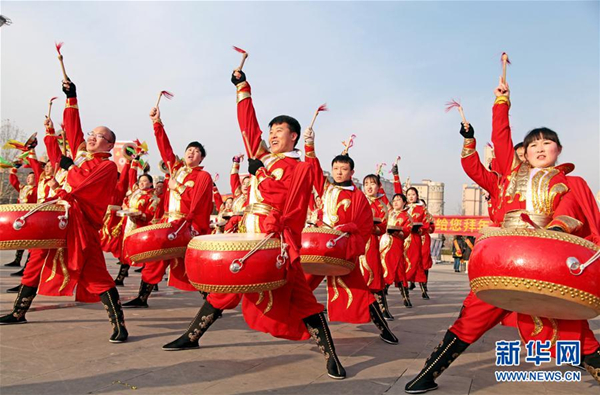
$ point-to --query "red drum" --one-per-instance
(324, 252)
(215, 263)
(537, 272)
(157, 242)
(25, 226)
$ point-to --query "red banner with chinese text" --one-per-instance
(460, 224)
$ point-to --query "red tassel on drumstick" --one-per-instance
(505, 62)
(166, 94)
(322, 107)
(60, 58)
(454, 104)
(50, 106)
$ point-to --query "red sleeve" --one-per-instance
(52, 147)
(362, 215)
(248, 122)
(72, 127)
(476, 171)
(502, 138)
(122, 185)
(36, 166)
(14, 180)
(132, 174)
(317, 171)
(164, 146)
(234, 179)
(217, 198)
(384, 197)
(397, 184)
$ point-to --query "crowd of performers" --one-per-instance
(283, 194)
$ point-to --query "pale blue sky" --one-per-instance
(385, 69)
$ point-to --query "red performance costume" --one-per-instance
(190, 200)
(277, 204)
(90, 182)
(346, 209)
(544, 194)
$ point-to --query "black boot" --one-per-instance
(14, 290)
(22, 304)
(383, 306)
(377, 318)
(139, 270)
(405, 297)
(17, 261)
(112, 304)
(20, 272)
(203, 320)
(591, 363)
(424, 290)
(411, 285)
(123, 272)
(142, 299)
(441, 358)
(319, 331)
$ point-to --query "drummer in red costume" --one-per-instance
(240, 187)
(90, 182)
(188, 180)
(391, 246)
(32, 271)
(291, 311)
(138, 210)
(345, 208)
(112, 227)
(413, 246)
(426, 230)
(556, 208)
(371, 267)
(27, 194)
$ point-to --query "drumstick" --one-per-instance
(454, 104)
(505, 62)
(322, 107)
(166, 94)
(50, 105)
(244, 57)
(60, 58)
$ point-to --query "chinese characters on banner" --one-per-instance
(460, 224)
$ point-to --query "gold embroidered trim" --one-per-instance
(327, 260)
(539, 233)
(30, 206)
(569, 224)
(364, 266)
(502, 100)
(248, 288)
(27, 244)
(180, 251)
(243, 95)
(259, 208)
(541, 287)
(163, 225)
(348, 291)
(322, 230)
(233, 245)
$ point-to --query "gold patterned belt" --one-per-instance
(512, 219)
(259, 208)
(173, 215)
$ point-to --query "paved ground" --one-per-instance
(65, 350)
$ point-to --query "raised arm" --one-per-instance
(251, 133)
(51, 141)
(397, 183)
(71, 119)
(311, 158)
(164, 145)
(501, 133)
(234, 177)
(471, 163)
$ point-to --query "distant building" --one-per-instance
(473, 200)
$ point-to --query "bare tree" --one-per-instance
(8, 131)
